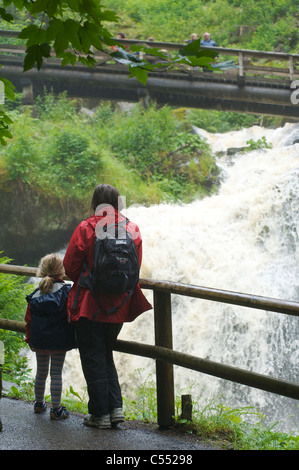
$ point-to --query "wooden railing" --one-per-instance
(163, 351)
(285, 65)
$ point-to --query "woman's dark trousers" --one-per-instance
(95, 343)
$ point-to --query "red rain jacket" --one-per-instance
(82, 242)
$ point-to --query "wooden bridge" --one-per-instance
(249, 88)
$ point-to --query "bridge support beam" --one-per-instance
(27, 91)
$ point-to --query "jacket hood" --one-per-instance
(49, 304)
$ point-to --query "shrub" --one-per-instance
(73, 164)
(13, 291)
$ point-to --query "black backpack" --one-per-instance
(115, 264)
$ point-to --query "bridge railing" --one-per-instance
(163, 351)
(285, 65)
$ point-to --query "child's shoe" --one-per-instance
(59, 413)
(40, 407)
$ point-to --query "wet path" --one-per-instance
(24, 430)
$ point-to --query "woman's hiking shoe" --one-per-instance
(40, 407)
(100, 423)
(59, 413)
(117, 416)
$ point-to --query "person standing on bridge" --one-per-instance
(99, 318)
(48, 333)
(207, 41)
(192, 38)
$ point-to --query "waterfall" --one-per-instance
(244, 239)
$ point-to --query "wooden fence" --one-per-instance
(163, 351)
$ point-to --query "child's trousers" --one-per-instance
(56, 362)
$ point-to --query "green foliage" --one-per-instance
(149, 154)
(271, 24)
(13, 291)
(238, 428)
(221, 121)
(143, 406)
(73, 164)
(50, 107)
(5, 132)
(260, 144)
(139, 145)
(163, 150)
(75, 31)
(72, 28)
(63, 153)
(74, 401)
(21, 158)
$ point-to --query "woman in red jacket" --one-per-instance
(97, 331)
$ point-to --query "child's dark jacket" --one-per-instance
(47, 327)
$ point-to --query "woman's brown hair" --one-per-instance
(106, 194)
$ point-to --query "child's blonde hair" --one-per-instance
(50, 268)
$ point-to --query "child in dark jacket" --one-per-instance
(48, 332)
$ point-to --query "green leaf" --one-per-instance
(89, 61)
(92, 8)
(73, 4)
(5, 118)
(6, 16)
(75, 393)
(52, 7)
(68, 58)
(35, 54)
(194, 49)
(29, 31)
(55, 27)
(61, 43)
(37, 6)
(71, 29)
(61, 34)
(18, 3)
(89, 35)
(139, 73)
(34, 35)
(109, 15)
(8, 89)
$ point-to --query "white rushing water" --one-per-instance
(243, 239)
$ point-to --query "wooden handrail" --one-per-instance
(207, 293)
(176, 46)
(241, 54)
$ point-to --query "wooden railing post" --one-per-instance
(291, 64)
(164, 370)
